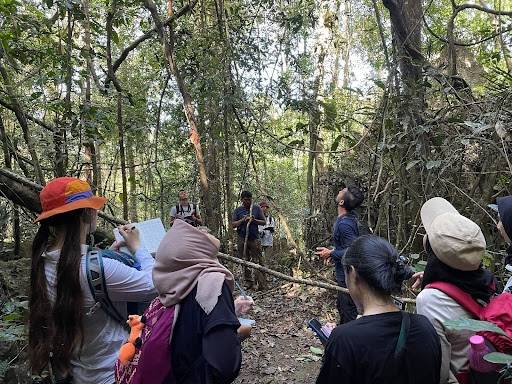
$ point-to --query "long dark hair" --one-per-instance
(377, 262)
(57, 327)
(480, 284)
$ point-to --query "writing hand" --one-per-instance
(131, 237)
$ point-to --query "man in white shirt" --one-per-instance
(267, 231)
(184, 210)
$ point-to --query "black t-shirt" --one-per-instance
(205, 348)
(362, 352)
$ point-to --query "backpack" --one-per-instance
(179, 211)
(98, 286)
(498, 311)
(191, 208)
(151, 362)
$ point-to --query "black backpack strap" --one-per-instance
(401, 366)
(404, 332)
(98, 285)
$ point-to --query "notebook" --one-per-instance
(151, 234)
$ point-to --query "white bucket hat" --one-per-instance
(456, 241)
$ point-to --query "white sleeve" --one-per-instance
(429, 303)
(128, 284)
(173, 211)
(198, 213)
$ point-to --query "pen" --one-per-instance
(241, 290)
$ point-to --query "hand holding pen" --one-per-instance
(131, 238)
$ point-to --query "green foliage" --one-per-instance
(474, 325)
(12, 328)
(12, 316)
(498, 358)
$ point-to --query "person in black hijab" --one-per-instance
(505, 223)
(504, 208)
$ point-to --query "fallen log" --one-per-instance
(297, 280)
(26, 193)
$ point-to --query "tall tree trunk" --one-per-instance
(227, 92)
(22, 119)
(314, 132)
(337, 42)
(5, 144)
(212, 216)
(157, 133)
(16, 211)
(120, 127)
(168, 48)
(347, 9)
(450, 35)
(500, 42)
(132, 179)
(228, 200)
(62, 163)
(90, 142)
(84, 120)
(97, 165)
(406, 20)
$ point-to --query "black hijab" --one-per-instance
(505, 211)
(480, 284)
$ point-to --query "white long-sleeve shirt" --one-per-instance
(438, 307)
(102, 335)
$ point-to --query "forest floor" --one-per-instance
(281, 348)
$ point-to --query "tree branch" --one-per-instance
(22, 119)
(24, 192)
(147, 35)
(110, 72)
(41, 123)
(461, 44)
(167, 40)
(297, 280)
(483, 9)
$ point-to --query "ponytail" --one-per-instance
(377, 262)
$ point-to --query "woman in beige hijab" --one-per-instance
(205, 344)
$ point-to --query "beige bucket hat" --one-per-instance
(456, 240)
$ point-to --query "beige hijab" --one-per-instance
(188, 256)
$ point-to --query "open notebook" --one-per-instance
(151, 234)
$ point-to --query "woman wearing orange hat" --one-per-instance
(68, 334)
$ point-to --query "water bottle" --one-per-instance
(478, 349)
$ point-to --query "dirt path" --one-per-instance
(282, 348)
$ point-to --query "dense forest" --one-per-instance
(288, 99)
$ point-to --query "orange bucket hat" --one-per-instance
(65, 194)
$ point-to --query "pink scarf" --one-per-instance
(188, 256)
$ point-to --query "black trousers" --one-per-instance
(346, 307)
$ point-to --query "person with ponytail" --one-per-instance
(384, 345)
(69, 335)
